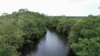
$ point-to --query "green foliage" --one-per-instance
(85, 28)
(85, 37)
(24, 27)
(87, 47)
(7, 50)
(61, 24)
(64, 25)
(51, 22)
(11, 35)
(18, 29)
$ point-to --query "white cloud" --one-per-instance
(53, 7)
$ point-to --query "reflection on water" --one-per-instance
(51, 45)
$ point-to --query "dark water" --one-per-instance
(52, 44)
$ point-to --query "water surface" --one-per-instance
(52, 44)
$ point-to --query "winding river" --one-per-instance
(52, 44)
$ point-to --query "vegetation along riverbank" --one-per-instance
(27, 27)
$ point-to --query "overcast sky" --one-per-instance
(53, 7)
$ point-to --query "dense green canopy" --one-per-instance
(85, 37)
(19, 28)
(26, 27)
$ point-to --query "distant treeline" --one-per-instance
(25, 27)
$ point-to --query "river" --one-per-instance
(52, 44)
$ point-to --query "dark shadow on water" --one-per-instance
(52, 44)
(71, 53)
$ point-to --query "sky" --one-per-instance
(53, 7)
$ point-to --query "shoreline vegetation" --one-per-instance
(26, 27)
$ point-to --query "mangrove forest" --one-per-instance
(26, 29)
